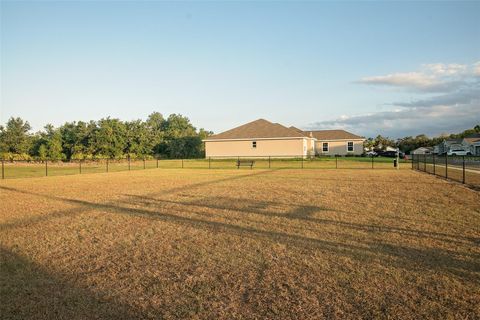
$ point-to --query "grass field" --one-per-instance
(246, 244)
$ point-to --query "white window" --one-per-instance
(350, 146)
(254, 144)
(325, 147)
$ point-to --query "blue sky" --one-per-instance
(373, 68)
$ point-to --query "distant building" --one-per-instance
(262, 138)
(470, 144)
(447, 145)
(423, 150)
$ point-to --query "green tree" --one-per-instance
(54, 143)
(110, 138)
(138, 138)
(15, 137)
(155, 125)
(76, 139)
(180, 137)
(42, 152)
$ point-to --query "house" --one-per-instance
(447, 145)
(337, 142)
(422, 150)
(472, 143)
(262, 138)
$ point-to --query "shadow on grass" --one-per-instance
(364, 251)
(298, 212)
(29, 291)
(91, 206)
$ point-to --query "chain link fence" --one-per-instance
(464, 169)
(25, 168)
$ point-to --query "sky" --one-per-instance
(391, 68)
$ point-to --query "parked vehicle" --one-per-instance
(459, 152)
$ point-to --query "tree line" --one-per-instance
(172, 137)
(410, 143)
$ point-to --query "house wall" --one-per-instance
(310, 146)
(339, 147)
(476, 149)
(265, 148)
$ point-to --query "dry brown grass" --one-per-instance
(287, 244)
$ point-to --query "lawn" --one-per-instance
(245, 244)
(37, 169)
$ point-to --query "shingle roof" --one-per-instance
(453, 141)
(260, 128)
(473, 138)
(296, 129)
(333, 135)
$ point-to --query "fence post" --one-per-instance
(46, 168)
(3, 169)
(107, 165)
(182, 163)
(143, 163)
(269, 162)
(302, 161)
(128, 163)
(424, 162)
(433, 161)
(209, 164)
(157, 163)
(372, 161)
(463, 166)
(446, 165)
(336, 162)
(80, 166)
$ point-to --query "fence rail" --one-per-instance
(38, 168)
(464, 169)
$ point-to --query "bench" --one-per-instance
(246, 163)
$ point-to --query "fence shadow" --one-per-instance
(362, 250)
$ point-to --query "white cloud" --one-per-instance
(410, 79)
(434, 77)
(455, 108)
(476, 69)
(442, 69)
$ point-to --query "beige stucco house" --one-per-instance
(262, 138)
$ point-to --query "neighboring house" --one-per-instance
(447, 145)
(262, 138)
(337, 142)
(423, 150)
(470, 144)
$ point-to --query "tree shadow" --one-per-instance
(29, 291)
(298, 212)
(365, 251)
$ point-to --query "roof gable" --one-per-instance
(333, 135)
(260, 128)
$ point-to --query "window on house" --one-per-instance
(325, 147)
(254, 144)
(350, 146)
